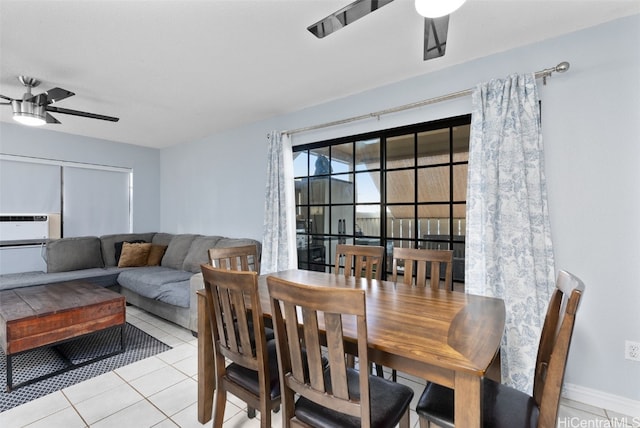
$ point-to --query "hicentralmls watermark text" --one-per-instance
(576, 422)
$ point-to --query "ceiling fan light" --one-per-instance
(437, 8)
(28, 113)
(29, 120)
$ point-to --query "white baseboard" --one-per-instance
(601, 399)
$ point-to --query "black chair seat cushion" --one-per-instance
(248, 378)
(389, 400)
(502, 406)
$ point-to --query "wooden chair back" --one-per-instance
(554, 346)
(415, 265)
(238, 338)
(300, 312)
(243, 258)
(364, 261)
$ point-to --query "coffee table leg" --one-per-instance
(122, 339)
(9, 374)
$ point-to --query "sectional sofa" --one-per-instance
(165, 286)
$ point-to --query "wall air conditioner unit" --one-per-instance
(28, 228)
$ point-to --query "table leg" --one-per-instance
(468, 410)
(9, 374)
(206, 370)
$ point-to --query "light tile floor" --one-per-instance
(161, 391)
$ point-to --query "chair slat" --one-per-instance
(312, 344)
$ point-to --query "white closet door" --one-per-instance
(29, 188)
(96, 202)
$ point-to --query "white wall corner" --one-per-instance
(601, 399)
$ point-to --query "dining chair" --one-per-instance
(363, 261)
(252, 374)
(336, 395)
(422, 258)
(503, 406)
(244, 258)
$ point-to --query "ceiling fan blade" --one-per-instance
(51, 119)
(435, 36)
(81, 113)
(6, 97)
(345, 16)
(57, 94)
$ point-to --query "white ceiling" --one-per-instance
(177, 71)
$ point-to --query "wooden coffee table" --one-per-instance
(45, 315)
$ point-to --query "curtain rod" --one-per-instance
(560, 68)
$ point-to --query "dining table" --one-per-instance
(448, 337)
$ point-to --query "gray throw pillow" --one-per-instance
(67, 254)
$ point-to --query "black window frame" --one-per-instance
(312, 257)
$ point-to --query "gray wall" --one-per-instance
(40, 143)
(591, 128)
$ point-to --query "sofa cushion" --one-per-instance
(199, 252)
(177, 251)
(69, 254)
(155, 254)
(134, 254)
(159, 283)
(162, 238)
(108, 244)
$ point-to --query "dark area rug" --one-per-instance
(29, 365)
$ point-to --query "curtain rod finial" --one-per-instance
(562, 67)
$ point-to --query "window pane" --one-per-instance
(433, 184)
(401, 223)
(433, 147)
(302, 191)
(461, 143)
(367, 187)
(316, 219)
(368, 154)
(400, 151)
(400, 186)
(367, 220)
(434, 221)
(319, 190)
(300, 164)
(319, 161)
(342, 189)
(342, 158)
(342, 220)
(460, 182)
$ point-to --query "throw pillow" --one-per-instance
(134, 255)
(155, 254)
(118, 248)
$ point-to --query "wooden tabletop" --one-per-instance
(445, 329)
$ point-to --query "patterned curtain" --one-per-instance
(279, 240)
(508, 243)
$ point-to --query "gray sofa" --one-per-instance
(167, 290)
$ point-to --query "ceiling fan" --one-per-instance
(436, 22)
(34, 110)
